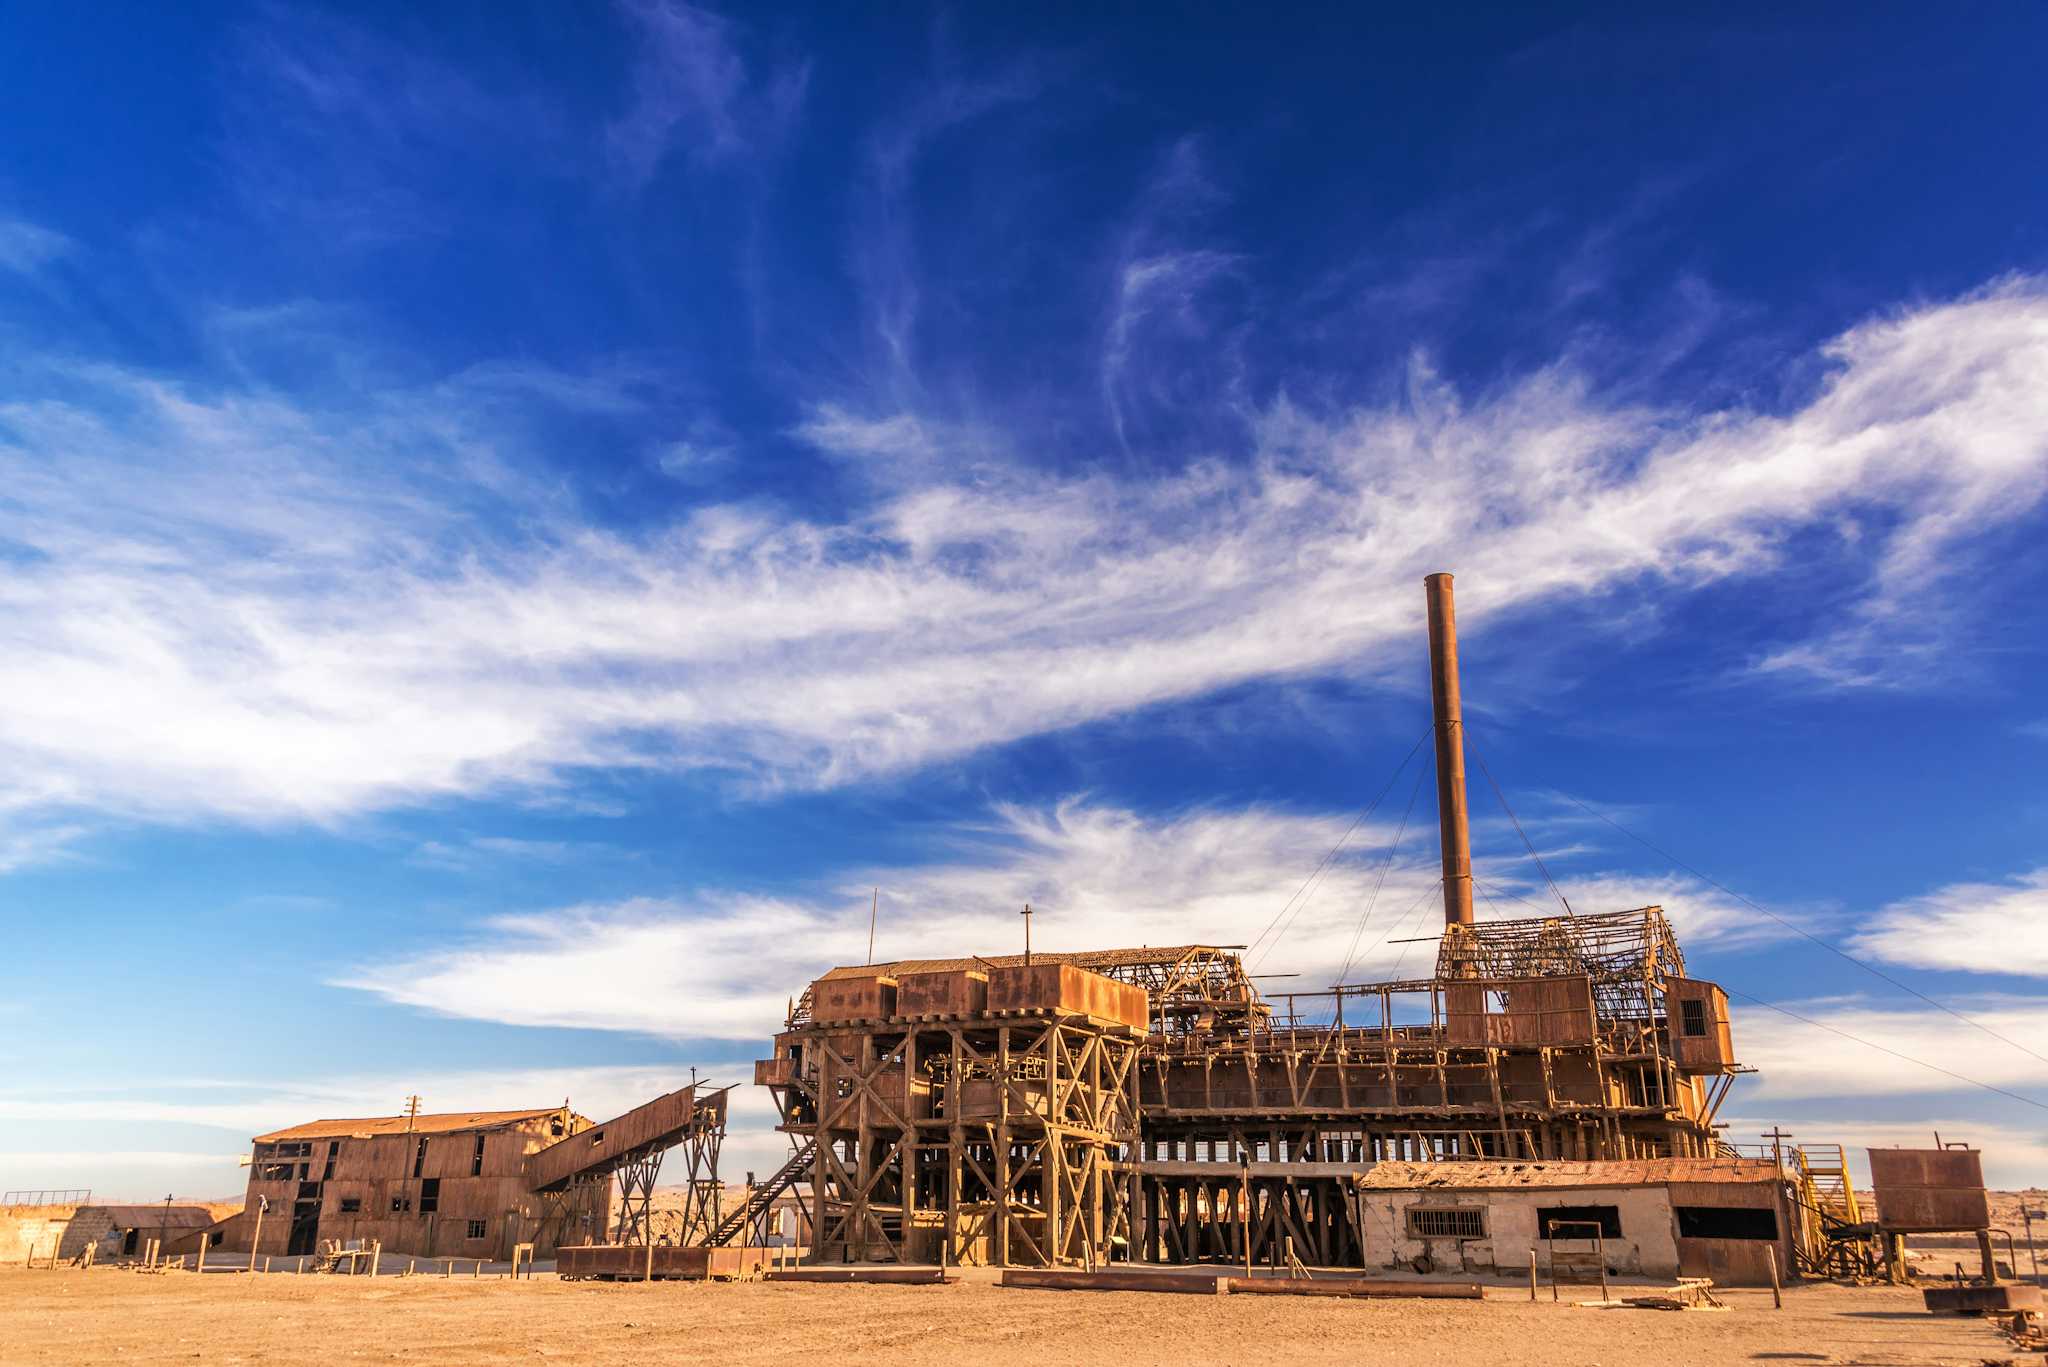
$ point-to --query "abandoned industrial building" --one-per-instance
(1149, 1104)
(1547, 1096)
(468, 1185)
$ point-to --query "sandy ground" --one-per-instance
(103, 1315)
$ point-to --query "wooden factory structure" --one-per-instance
(471, 1185)
(1150, 1104)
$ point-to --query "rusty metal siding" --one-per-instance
(643, 1124)
(1930, 1191)
(960, 992)
(852, 999)
(1062, 987)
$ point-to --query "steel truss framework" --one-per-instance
(966, 1139)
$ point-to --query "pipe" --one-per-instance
(1454, 833)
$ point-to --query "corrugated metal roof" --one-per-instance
(153, 1217)
(1087, 958)
(1616, 1173)
(445, 1123)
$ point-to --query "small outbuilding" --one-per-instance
(1657, 1217)
(125, 1231)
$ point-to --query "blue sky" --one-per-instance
(513, 520)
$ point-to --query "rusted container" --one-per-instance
(774, 1072)
(1696, 1014)
(959, 993)
(1063, 987)
(853, 999)
(662, 1262)
(1929, 1191)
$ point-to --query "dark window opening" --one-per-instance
(1577, 1221)
(304, 1168)
(400, 1204)
(1693, 1016)
(351, 1205)
(596, 1138)
(419, 1156)
(476, 1229)
(309, 1191)
(476, 1159)
(1726, 1222)
(1446, 1222)
(274, 1172)
(430, 1195)
(327, 1173)
(555, 1128)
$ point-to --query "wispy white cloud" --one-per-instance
(693, 93)
(222, 603)
(1833, 1056)
(26, 248)
(1975, 927)
(722, 966)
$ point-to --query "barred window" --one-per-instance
(1693, 1016)
(1446, 1222)
(476, 1229)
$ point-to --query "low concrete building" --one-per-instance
(125, 1231)
(1661, 1217)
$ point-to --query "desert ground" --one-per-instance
(106, 1315)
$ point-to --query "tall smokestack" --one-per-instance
(1454, 835)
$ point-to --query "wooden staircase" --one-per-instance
(763, 1196)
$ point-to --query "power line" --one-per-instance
(1334, 849)
(1873, 1044)
(1503, 799)
(1802, 931)
(1351, 955)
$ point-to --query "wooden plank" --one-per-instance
(1177, 1283)
(1354, 1286)
(895, 1276)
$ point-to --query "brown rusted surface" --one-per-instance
(1456, 837)
(370, 1126)
(1928, 1191)
(852, 999)
(665, 1262)
(1353, 1286)
(669, 1114)
(1978, 1300)
(1539, 1011)
(1063, 987)
(1711, 1051)
(1176, 1283)
(955, 992)
(892, 1276)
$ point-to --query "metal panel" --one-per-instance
(852, 999)
(1062, 987)
(1929, 1190)
(961, 992)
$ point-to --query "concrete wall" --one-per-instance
(31, 1231)
(1648, 1245)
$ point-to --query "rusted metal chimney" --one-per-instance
(1454, 834)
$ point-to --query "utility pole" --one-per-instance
(412, 1110)
(165, 1233)
(1778, 1138)
(1027, 935)
(874, 904)
(256, 1244)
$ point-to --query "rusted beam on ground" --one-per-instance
(894, 1276)
(1354, 1286)
(1183, 1283)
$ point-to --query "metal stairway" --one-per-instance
(763, 1196)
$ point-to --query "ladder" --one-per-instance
(763, 1196)
(1824, 1181)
